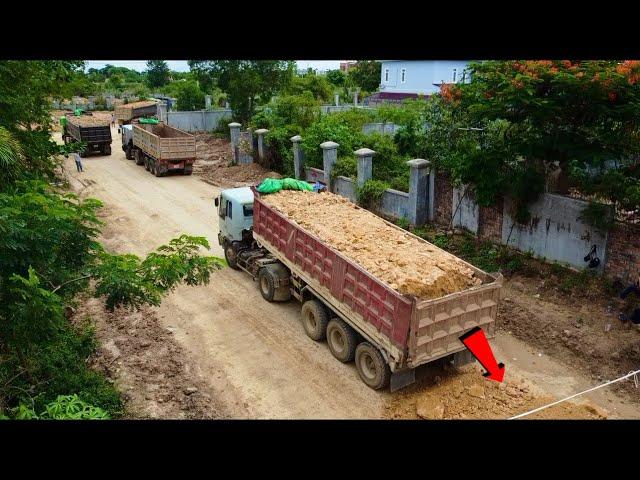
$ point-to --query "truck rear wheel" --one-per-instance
(188, 170)
(231, 257)
(146, 164)
(266, 283)
(156, 170)
(107, 150)
(371, 366)
(138, 156)
(342, 340)
(314, 320)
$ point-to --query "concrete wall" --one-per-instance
(468, 213)
(199, 120)
(314, 175)
(390, 128)
(346, 187)
(555, 232)
(394, 204)
(420, 75)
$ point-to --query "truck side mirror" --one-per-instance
(216, 202)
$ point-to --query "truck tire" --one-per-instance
(371, 366)
(314, 320)
(266, 284)
(230, 256)
(188, 170)
(342, 340)
(147, 167)
(107, 150)
(127, 153)
(156, 170)
(139, 157)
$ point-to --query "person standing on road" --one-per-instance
(76, 157)
(113, 120)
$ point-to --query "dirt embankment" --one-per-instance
(468, 395)
(580, 331)
(406, 264)
(213, 164)
(148, 366)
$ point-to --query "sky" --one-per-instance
(181, 65)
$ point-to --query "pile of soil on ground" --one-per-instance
(468, 395)
(406, 264)
(213, 159)
(147, 365)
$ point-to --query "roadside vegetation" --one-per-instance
(50, 253)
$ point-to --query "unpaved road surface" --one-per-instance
(223, 345)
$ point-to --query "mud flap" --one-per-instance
(464, 357)
(402, 378)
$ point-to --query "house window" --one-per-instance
(386, 74)
(455, 72)
(403, 74)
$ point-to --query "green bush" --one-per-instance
(335, 128)
(64, 407)
(345, 167)
(370, 194)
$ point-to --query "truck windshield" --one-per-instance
(247, 210)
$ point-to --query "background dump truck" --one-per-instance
(126, 113)
(162, 149)
(95, 133)
(362, 318)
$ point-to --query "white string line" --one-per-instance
(630, 374)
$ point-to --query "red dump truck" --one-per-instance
(361, 317)
(162, 149)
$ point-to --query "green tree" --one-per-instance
(246, 82)
(189, 96)
(502, 131)
(26, 87)
(316, 85)
(366, 75)
(157, 73)
(336, 77)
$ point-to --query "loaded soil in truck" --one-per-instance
(407, 265)
(125, 113)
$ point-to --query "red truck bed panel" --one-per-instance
(379, 305)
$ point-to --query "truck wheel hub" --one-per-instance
(368, 366)
(337, 340)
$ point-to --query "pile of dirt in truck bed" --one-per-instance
(406, 264)
(468, 395)
(88, 121)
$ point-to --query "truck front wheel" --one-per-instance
(231, 257)
(371, 366)
(266, 282)
(127, 153)
(314, 320)
(342, 340)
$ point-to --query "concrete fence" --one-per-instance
(198, 120)
(415, 206)
(554, 233)
(380, 127)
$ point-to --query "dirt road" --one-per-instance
(252, 357)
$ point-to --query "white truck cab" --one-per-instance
(235, 209)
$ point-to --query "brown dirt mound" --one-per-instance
(406, 264)
(468, 395)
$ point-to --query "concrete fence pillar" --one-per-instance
(365, 165)
(207, 102)
(329, 157)
(355, 99)
(260, 133)
(418, 210)
(337, 99)
(235, 137)
(298, 157)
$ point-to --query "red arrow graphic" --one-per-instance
(477, 343)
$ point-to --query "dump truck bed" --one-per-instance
(125, 113)
(88, 129)
(410, 331)
(163, 142)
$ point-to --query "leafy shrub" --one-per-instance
(370, 193)
(403, 223)
(333, 128)
(345, 167)
(65, 407)
(598, 216)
